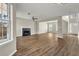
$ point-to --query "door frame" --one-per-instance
(55, 21)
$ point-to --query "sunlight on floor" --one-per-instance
(50, 34)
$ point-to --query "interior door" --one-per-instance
(52, 27)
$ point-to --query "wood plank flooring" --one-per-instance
(47, 44)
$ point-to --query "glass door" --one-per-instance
(52, 27)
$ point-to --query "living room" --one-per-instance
(39, 29)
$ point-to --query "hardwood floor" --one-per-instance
(47, 45)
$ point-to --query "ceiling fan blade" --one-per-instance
(34, 19)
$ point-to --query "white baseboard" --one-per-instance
(13, 53)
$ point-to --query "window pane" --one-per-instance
(0, 5)
(4, 6)
(5, 25)
(0, 30)
(4, 11)
(4, 15)
(0, 10)
(4, 21)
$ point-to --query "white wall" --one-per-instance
(42, 27)
(9, 48)
(74, 23)
(24, 23)
(74, 28)
(64, 27)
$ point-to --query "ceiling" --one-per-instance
(45, 11)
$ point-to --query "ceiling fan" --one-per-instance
(34, 18)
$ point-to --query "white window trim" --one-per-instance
(10, 38)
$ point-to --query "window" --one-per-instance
(4, 22)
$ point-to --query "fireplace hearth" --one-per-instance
(26, 31)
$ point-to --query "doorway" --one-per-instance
(52, 27)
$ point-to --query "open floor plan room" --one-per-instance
(39, 29)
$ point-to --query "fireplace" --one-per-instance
(26, 31)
